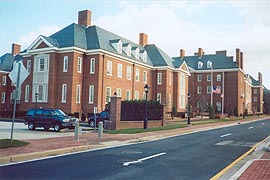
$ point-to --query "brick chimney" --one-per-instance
(143, 39)
(238, 57)
(84, 18)
(200, 52)
(16, 48)
(260, 78)
(182, 53)
(242, 60)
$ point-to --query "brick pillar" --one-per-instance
(115, 112)
(164, 115)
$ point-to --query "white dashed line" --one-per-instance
(250, 127)
(143, 159)
(225, 135)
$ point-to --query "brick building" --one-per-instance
(6, 86)
(230, 90)
(81, 66)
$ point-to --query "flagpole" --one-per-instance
(222, 95)
(211, 84)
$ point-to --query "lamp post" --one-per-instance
(188, 110)
(36, 95)
(146, 89)
(243, 96)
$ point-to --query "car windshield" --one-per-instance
(58, 112)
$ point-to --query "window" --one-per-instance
(64, 93)
(91, 94)
(92, 65)
(28, 66)
(109, 68)
(79, 65)
(218, 77)
(128, 72)
(199, 90)
(159, 97)
(159, 78)
(218, 104)
(129, 50)
(119, 92)
(255, 91)
(128, 95)
(42, 91)
(119, 70)
(182, 90)
(209, 89)
(255, 99)
(137, 75)
(200, 65)
(4, 80)
(144, 76)
(209, 64)
(78, 94)
(108, 94)
(3, 98)
(208, 77)
(65, 64)
(136, 95)
(120, 46)
(199, 78)
(41, 64)
(27, 92)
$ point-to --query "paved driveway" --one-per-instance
(21, 132)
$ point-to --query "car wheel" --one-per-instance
(57, 127)
(31, 126)
(91, 123)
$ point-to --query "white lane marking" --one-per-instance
(225, 135)
(143, 159)
(262, 123)
(250, 127)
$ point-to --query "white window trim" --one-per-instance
(199, 78)
(199, 89)
(137, 75)
(78, 94)
(119, 92)
(209, 77)
(65, 64)
(79, 65)
(3, 97)
(159, 78)
(108, 94)
(4, 80)
(129, 72)
(64, 93)
(28, 66)
(128, 95)
(209, 89)
(137, 95)
(218, 77)
(119, 70)
(91, 94)
(109, 68)
(92, 65)
(159, 97)
(144, 76)
(27, 93)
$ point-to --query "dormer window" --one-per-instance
(117, 45)
(209, 64)
(200, 65)
(127, 48)
(143, 55)
(135, 52)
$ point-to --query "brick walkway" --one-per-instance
(258, 170)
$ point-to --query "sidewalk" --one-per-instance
(38, 148)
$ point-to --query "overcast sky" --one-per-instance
(171, 25)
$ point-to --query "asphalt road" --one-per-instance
(194, 156)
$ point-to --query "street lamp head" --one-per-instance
(188, 95)
(146, 88)
(115, 94)
(36, 95)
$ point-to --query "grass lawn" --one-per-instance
(175, 125)
(5, 143)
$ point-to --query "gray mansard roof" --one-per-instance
(6, 61)
(219, 61)
(94, 37)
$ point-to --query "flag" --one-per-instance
(216, 90)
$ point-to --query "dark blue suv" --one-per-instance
(48, 118)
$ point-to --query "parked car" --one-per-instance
(48, 118)
(100, 117)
